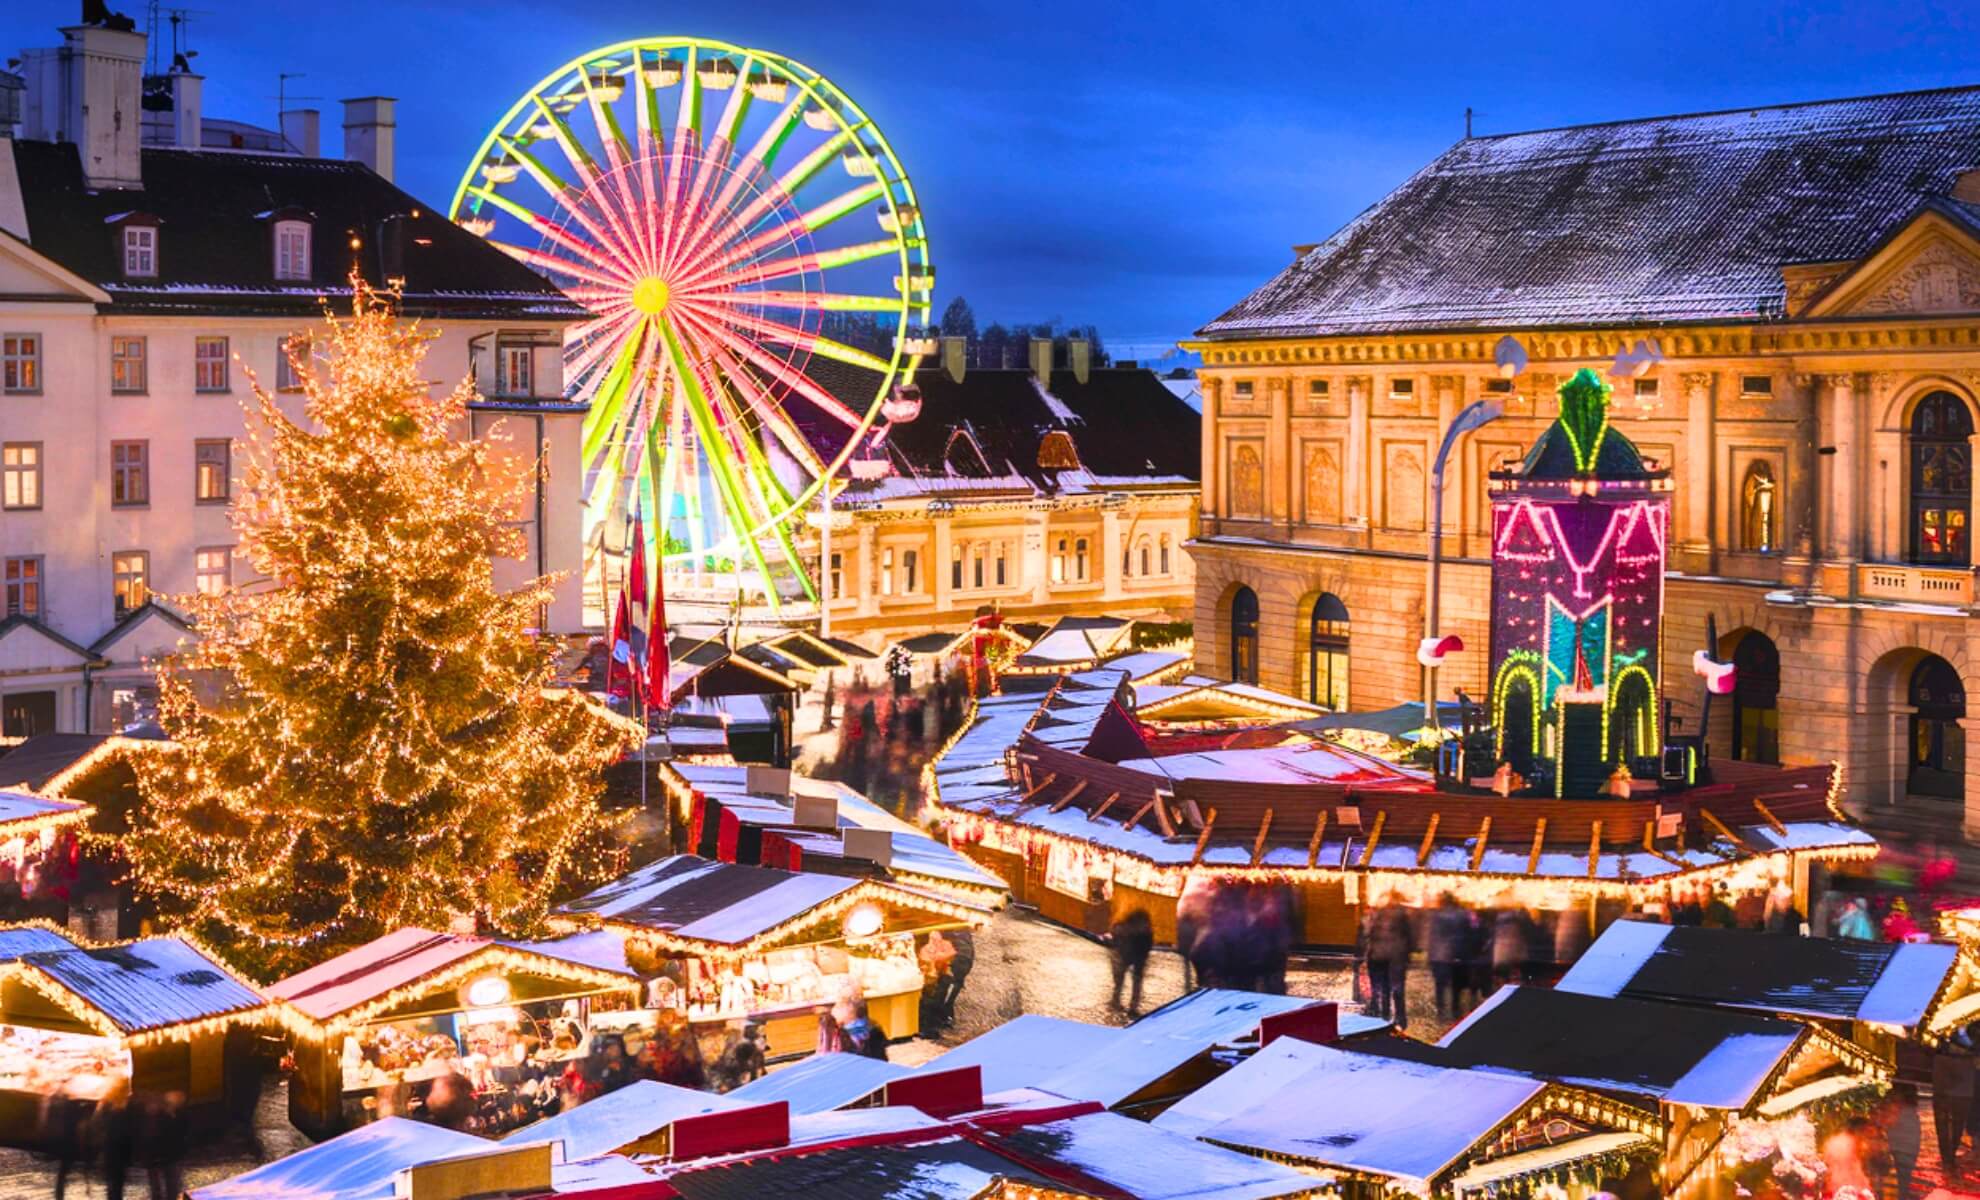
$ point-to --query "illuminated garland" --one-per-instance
(791, 931)
(57, 785)
(85, 1013)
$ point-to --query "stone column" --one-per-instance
(1212, 506)
(1112, 547)
(1883, 511)
(1357, 497)
(869, 571)
(1841, 524)
(938, 571)
(1286, 462)
(1038, 553)
(1804, 475)
(1696, 471)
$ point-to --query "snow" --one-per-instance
(1164, 1040)
(1024, 1050)
(1615, 958)
(357, 976)
(857, 1122)
(1152, 1164)
(359, 1165)
(1142, 663)
(1312, 762)
(821, 1083)
(1734, 1070)
(1060, 413)
(593, 1174)
(30, 939)
(603, 1125)
(1903, 994)
(1263, 1074)
(149, 984)
(604, 949)
(20, 806)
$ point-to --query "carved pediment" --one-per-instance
(1931, 267)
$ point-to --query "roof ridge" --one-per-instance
(1701, 114)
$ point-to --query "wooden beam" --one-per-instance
(1138, 813)
(1429, 839)
(1539, 833)
(1484, 835)
(1767, 815)
(1162, 816)
(1594, 848)
(1072, 793)
(1374, 836)
(1025, 768)
(1725, 831)
(1106, 804)
(1313, 844)
(1203, 839)
(1044, 783)
(1650, 844)
(1258, 843)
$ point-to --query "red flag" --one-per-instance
(619, 671)
(659, 663)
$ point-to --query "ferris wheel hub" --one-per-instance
(650, 295)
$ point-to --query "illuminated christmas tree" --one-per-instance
(366, 736)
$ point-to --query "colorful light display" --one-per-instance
(1578, 551)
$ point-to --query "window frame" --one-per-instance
(123, 472)
(910, 572)
(1319, 389)
(1746, 387)
(287, 377)
(886, 570)
(225, 569)
(223, 365)
(301, 270)
(10, 471)
(836, 568)
(119, 577)
(13, 380)
(505, 355)
(121, 359)
(226, 448)
(9, 582)
(148, 236)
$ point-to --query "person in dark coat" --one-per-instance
(1389, 944)
(116, 1136)
(1129, 942)
(1447, 947)
(1899, 1118)
(163, 1143)
(1512, 944)
(1952, 1096)
(949, 987)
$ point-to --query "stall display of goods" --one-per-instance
(44, 1062)
(801, 977)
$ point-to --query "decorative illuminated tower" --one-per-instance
(1578, 536)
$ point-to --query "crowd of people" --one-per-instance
(887, 731)
(115, 1136)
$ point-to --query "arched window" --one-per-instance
(1244, 636)
(1145, 551)
(1165, 554)
(1327, 653)
(1938, 744)
(1756, 709)
(1632, 728)
(1757, 506)
(1941, 480)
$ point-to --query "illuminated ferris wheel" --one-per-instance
(754, 264)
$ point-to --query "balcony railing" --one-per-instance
(1952, 586)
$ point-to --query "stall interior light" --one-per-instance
(864, 921)
(489, 991)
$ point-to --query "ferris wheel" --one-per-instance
(755, 268)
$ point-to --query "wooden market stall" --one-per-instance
(376, 1029)
(155, 1016)
(729, 943)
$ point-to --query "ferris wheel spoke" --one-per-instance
(573, 201)
(551, 264)
(747, 171)
(765, 270)
(587, 251)
(787, 185)
(810, 221)
(820, 301)
(779, 371)
(723, 470)
(770, 413)
(802, 339)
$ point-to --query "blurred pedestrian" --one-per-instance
(1446, 948)
(1271, 936)
(1129, 943)
(1389, 946)
(1192, 910)
(1512, 940)
(1688, 908)
(1856, 923)
(64, 1117)
(1478, 960)
(964, 941)
(164, 1144)
(1719, 910)
(1571, 935)
(1899, 1117)
(1952, 1097)
(1781, 915)
(116, 1136)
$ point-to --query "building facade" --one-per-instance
(1811, 276)
(144, 288)
(1039, 491)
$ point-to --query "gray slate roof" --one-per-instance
(1671, 219)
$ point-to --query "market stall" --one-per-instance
(466, 1031)
(727, 945)
(151, 1016)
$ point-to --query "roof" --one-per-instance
(366, 975)
(707, 901)
(19, 807)
(1165, 1039)
(949, 1169)
(214, 211)
(145, 985)
(1025, 1049)
(1710, 1058)
(822, 1082)
(1139, 1160)
(1385, 1116)
(358, 1165)
(17, 940)
(604, 1123)
(1668, 219)
(44, 756)
(1892, 984)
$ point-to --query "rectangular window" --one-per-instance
(1059, 562)
(1079, 560)
(838, 576)
(213, 569)
(20, 363)
(955, 568)
(140, 252)
(213, 470)
(517, 376)
(287, 352)
(127, 365)
(1000, 564)
(130, 473)
(1756, 385)
(1498, 387)
(210, 364)
(291, 250)
(1646, 389)
(130, 579)
(22, 580)
(20, 475)
(886, 572)
(1165, 554)
(910, 572)
(1242, 390)
(976, 566)
(1318, 388)
(1402, 388)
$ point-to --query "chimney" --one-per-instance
(955, 357)
(188, 118)
(370, 132)
(91, 92)
(13, 96)
(302, 129)
(1080, 351)
(1041, 360)
(1966, 186)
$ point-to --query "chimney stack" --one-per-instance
(89, 91)
(1041, 360)
(188, 115)
(955, 357)
(370, 132)
(1080, 352)
(302, 129)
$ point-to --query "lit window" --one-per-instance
(518, 375)
(213, 571)
(127, 364)
(130, 579)
(1059, 561)
(20, 475)
(886, 572)
(130, 473)
(20, 363)
(210, 364)
(140, 251)
(288, 352)
(22, 580)
(212, 470)
(292, 250)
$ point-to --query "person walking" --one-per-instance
(1952, 1097)
(1389, 946)
(1129, 943)
(1856, 924)
(116, 1136)
(1511, 944)
(164, 1145)
(964, 941)
(1901, 1134)
(1450, 930)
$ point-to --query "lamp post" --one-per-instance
(1474, 415)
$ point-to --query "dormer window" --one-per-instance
(140, 251)
(292, 250)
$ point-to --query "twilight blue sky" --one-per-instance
(1135, 166)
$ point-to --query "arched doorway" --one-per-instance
(1632, 726)
(1756, 714)
(1938, 744)
(1941, 480)
(1518, 718)
(1327, 653)
(1244, 636)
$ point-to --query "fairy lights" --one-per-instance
(826, 918)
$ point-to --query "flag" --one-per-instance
(619, 671)
(640, 610)
(659, 664)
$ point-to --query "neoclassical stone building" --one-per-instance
(1811, 274)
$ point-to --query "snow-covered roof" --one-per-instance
(717, 902)
(358, 1165)
(1166, 1039)
(20, 806)
(605, 1123)
(1140, 1160)
(822, 1082)
(1026, 1049)
(17, 940)
(136, 987)
(404, 957)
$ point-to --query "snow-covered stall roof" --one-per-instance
(1025, 1049)
(358, 1165)
(368, 975)
(1139, 1160)
(606, 1123)
(947, 1169)
(1410, 1121)
(1165, 1039)
(21, 812)
(1892, 984)
(142, 986)
(708, 901)
(1145, 666)
(822, 1082)
(16, 940)
(840, 1124)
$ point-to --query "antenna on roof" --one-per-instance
(282, 99)
(1467, 122)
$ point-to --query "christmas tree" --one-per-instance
(367, 739)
